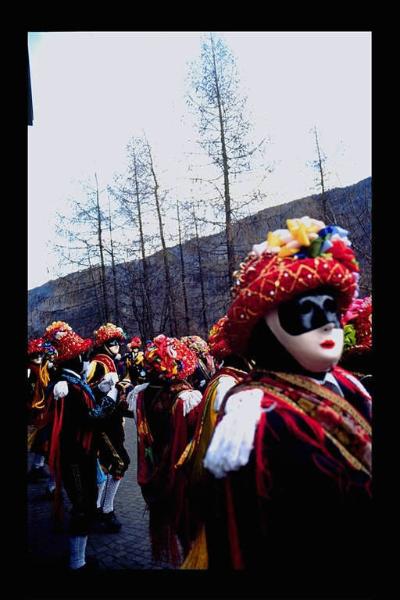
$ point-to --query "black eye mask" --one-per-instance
(110, 343)
(309, 311)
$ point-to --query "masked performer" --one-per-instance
(113, 456)
(291, 452)
(73, 448)
(166, 415)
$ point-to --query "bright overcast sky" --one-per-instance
(93, 91)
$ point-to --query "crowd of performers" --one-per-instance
(253, 446)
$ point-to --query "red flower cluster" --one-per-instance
(360, 316)
(135, 342)
(107, 332)
(217, 341)
(54, 328)
(344, 254)
(170, 358)
(197, 344)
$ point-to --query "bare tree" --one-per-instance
(168, 279)
(201, 271)
(85, 247)
(132, 190)
(101, 249)
(183, 274)
(319, 164)
(223, 127)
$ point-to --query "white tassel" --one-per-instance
(225, 383)
(233, 438)
(60, 390)
(132, 397)
(191, 398)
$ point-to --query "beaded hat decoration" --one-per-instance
(217, 341)
(69, 346)
(197, 344)
(35, 346)
(135, 342)
(106, 332)
(358, 326)
(306, 255)
(170, 358)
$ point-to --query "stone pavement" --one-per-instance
(127, 549)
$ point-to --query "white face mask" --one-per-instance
(316, 351)
(114, 351)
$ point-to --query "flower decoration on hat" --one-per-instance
(358, 326)
(106, 332)
(170, 358)
(56, 330)
(217, 340)
(305, 256)
(135, 342)
(197, 344)
(35, 346)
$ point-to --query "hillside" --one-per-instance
(75, 297)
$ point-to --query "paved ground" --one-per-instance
(128, 549)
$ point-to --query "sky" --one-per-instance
(93, 91)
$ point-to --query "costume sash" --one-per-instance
(343, 424)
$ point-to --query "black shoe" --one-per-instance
(36, 475)
(110, 522)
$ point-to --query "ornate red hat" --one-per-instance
(106, 332)
(358, 326)
(135, 342)
(35, 346)
(69, 345)
(217, 341)
(170, 358)
(55, 327)
(197, 344)
(305, 256)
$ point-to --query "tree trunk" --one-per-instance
(168, 281)
(321, 175)
(103, 269)
(185, 302)
(114, 274)
(99, 308)
(225, 168)
(203, 297)
(148, 311)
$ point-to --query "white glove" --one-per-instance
(60, 390)
(132, 397)
(107, 382)
(113, 393)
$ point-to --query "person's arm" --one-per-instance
(105, 406)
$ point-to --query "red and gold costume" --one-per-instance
(166, 416)
(113, 456)
(290, 457)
